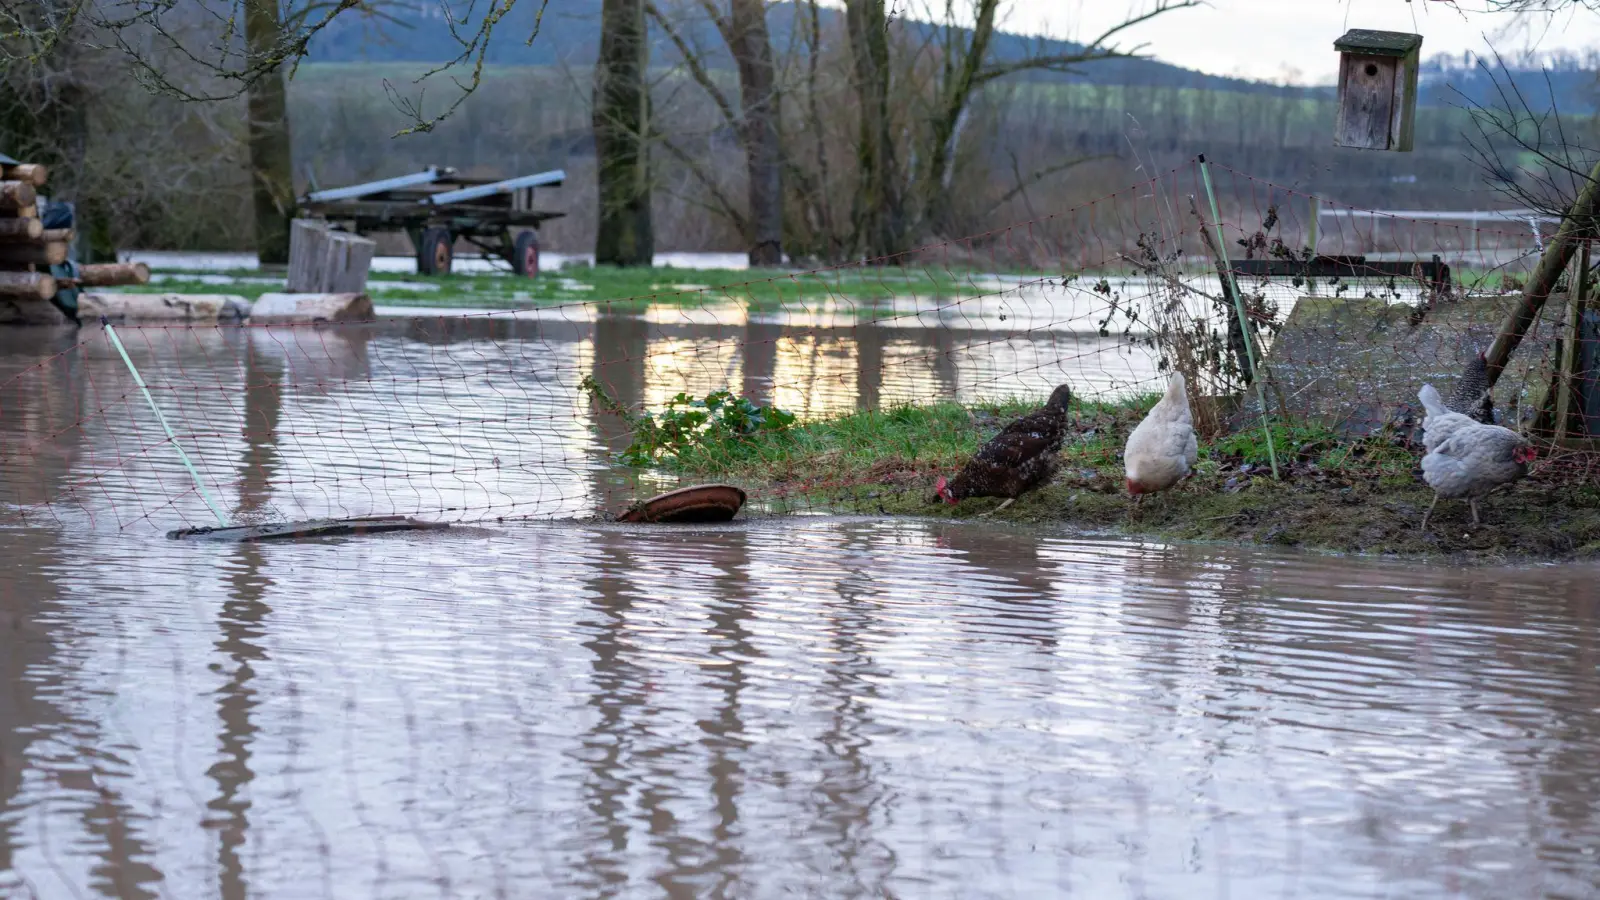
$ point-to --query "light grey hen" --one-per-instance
(1466, 458)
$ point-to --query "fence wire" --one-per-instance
(484, 416)
(826, 707)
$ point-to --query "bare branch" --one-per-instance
(1095, 50)
(1513, 127)
(1023, 183)
(695, 66)
(693, 164)
(157, 38)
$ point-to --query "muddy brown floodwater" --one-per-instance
(803, 707)
(797, 706)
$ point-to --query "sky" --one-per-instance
(1293, 39)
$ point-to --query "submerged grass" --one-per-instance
(621, 287)
(1363, 496)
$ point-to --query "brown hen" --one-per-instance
(1018, 459)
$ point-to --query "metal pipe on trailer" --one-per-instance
(462, 195)
(427, 176)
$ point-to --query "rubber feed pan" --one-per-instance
(700, 503)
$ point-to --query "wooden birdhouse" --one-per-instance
(1377, 89)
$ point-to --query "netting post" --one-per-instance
(1311, 240)
(1232, 287)
(1577, 292)
(171, 438)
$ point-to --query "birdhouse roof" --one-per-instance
(1378, 43)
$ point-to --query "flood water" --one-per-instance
(810, 706)
(529, 705)
(462, 418)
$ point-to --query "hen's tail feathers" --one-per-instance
(1177, 398)
(1431, 401)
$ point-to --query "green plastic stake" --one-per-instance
(172, 438)
(1244, 320)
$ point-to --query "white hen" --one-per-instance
(1465, 457)
(1162, 450)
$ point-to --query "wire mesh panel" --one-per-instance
(495, 415)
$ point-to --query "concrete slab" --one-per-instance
(127, 307)
(1357, 363)
(312, 308)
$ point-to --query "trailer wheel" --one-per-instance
(434, 252)
(525, 254)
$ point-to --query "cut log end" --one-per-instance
(32, 173)
(113, 274)
(38, 285)
(20, 230)
(16, 195)
(53, 253)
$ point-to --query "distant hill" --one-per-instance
(1571, 82)
(570, 34)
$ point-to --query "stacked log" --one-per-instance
(28, 249)
(25, 255)
(324, 261)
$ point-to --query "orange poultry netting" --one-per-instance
(515, 414)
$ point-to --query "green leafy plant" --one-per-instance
(717, 420)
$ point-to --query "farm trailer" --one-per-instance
(437, 206)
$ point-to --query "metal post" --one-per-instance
(1244, 319)
(172, 438)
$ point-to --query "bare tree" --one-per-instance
(743, 29)
(879, 215)
(621, 117)
(158, 38)
(1525, 149)
(44, 104)
(1534, 157)
(899, 206)
(271, 159)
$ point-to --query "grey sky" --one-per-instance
(1274, 39)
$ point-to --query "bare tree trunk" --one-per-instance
(758, 98)
(878, 212)
(625, 235)
(271, 161)
(44, 119)
(960, 77)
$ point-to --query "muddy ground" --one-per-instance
(1527, 522)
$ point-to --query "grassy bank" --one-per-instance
(628, 288)
(1363, 497)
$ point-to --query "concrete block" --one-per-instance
(1357, 363)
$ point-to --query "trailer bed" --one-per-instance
(437, 206)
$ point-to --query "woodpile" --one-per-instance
(28, 250)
